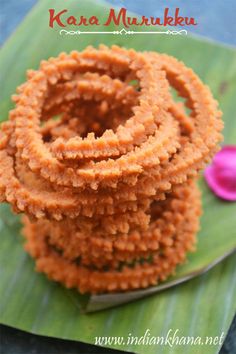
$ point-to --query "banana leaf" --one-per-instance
(203, 306)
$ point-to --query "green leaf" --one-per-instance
(203, 306)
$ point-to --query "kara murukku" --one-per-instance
(102, 241)
(103, 160)
(123, 271)
(136, 128)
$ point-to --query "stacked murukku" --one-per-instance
(102, 156)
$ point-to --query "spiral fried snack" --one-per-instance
(95, 264)
(102, 159)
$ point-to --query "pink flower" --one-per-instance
(221, 175)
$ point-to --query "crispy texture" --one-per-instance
(103, 159)
(130, 261)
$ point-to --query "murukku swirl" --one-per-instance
(123, 272)
(102, 243)
(102, 158)
(136, 128)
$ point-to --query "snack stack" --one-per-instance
(103, 159)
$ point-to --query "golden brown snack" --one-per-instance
(124, 235)
(103, 160)
(123, 270)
